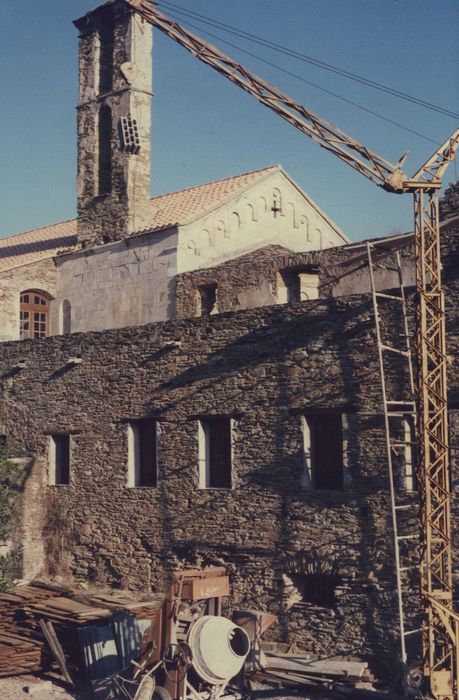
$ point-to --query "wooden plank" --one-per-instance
(324, 667)
(55, 646)
(199, 573)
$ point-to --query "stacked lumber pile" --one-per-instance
(300, 669)
(19, 652)
(22, 645)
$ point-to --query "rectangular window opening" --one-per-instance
(206, 300)
(59, 459)
(323, 451)
(142, 453)
(294, 285)
(215, 453)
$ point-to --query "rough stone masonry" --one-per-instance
(265, 368)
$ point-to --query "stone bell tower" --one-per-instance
(114, 123)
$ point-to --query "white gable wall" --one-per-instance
(248, 222)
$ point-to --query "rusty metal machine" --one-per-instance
(190, 651)
(441, 622)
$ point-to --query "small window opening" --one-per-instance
(59, 459)
(105, 150)
(323, 451)
(297, 285)
(106, 43)
(317, 588)
(34, 314)
(215, 453)
(207, 300)
(142, 453)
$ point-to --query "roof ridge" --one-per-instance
(214, 182)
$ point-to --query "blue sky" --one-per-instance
(205, 128)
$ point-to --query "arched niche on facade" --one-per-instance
(318, 238)
(234, 223)
(304, 227)
(291, 215)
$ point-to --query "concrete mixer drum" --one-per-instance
(219, 648)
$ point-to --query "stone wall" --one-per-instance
(264, 367)
(255, 279)
(123, 283)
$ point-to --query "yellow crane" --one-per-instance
(441, 622)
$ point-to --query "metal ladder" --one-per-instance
(395, 410)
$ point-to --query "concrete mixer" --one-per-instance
(191, 651)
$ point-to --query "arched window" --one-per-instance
(66, 317)
(105, 150)
(34, 314)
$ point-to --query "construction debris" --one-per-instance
(179, 644)
(28, 609)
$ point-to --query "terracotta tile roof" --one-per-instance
(166, 210)
(39, 244)
(186, 205)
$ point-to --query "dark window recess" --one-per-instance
(292, 282)
(327, 451)
(105, 150)
(218, 432)
(66, 317)
(61, 459)
(147, 474)
(319, 589)
(207, 299)
(106, 38)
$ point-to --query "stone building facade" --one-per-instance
(208, 390)
(267, 373)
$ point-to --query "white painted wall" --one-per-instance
(126, 283)
(247, 222)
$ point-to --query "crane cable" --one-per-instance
(308, 59)
(308, 82)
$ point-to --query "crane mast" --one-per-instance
(440, 624)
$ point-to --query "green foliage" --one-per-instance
(10, 474)
(7, 564)
(9, 478)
